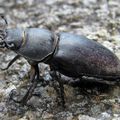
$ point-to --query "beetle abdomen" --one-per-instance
(77, 56)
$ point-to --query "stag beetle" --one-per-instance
(69, 54)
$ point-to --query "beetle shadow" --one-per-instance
(92, 84)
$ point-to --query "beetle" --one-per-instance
(69, 54)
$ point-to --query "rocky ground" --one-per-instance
(96, 19)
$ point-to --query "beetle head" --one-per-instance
(13, 40)
(10, 38)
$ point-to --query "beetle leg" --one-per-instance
(33, 85)
(35, 81)
(61, 87)
(62, 93)
(11, 62)
(32, 73)
(28, 95)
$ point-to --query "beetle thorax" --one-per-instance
(37, 44)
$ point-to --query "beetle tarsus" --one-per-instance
(61, 87)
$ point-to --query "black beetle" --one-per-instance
(72, 55)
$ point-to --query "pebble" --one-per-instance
(47, 115)
(9, 89)
(104, 116)
(85, 117)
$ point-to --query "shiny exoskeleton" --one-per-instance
(69, 54)
(72, 55)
